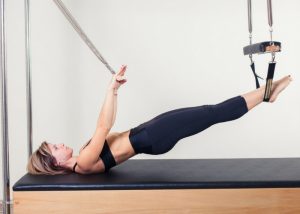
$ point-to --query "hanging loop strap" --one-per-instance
(82, 34)
(255, 75)
(269, 81)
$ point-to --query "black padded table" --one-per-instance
(176, 173)
(263, 178)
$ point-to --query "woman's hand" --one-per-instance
(118, 79)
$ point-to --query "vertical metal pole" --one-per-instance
(270, 13)
(28, 77)
(250, 30)
(250, 16)
(6, 180)
(270, 21)
(270, 18)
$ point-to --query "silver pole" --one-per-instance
(270, 18)
(270, 13)
(249, 16)
(270, 21)
(6, 180)
(28, 77)
(250, 26)
(87, 41)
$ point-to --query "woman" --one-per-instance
(157, 136)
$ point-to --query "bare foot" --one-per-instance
(278, 86)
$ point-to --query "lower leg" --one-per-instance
(253, 98)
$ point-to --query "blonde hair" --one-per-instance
(42, 162)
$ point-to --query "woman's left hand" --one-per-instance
(118, 79)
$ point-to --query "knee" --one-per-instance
(229, 110)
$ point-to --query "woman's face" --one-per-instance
(61, 152)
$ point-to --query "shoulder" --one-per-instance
(98, 167)
(85, 145)
(89, 155)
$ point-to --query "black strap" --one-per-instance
(74, 167)
(269, 81)
(255, 75)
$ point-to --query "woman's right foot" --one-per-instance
(279, 86)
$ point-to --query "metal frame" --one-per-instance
(6, 209)
(5, 142)
(28, 77)
(270, 22)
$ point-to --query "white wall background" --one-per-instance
(179, 53)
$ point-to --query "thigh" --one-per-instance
(161, 133)
(176, 124)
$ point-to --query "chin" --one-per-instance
(70, 152)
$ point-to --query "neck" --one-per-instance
(70, 163)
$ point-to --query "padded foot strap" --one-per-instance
(269, 81)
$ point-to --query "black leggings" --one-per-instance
(160, 134)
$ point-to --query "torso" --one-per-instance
(120, 147)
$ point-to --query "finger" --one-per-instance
(124, 67)
(120, 78)
(123, 81)
(122, 70)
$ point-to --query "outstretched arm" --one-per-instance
(109, 109)
(90, 155)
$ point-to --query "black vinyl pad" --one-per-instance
(176, 174)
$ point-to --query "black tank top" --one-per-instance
(106, 156)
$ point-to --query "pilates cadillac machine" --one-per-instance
(264, 185)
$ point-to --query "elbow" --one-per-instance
(83, 165)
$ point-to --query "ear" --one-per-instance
(55, 162)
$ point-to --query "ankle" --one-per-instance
(262, 91)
